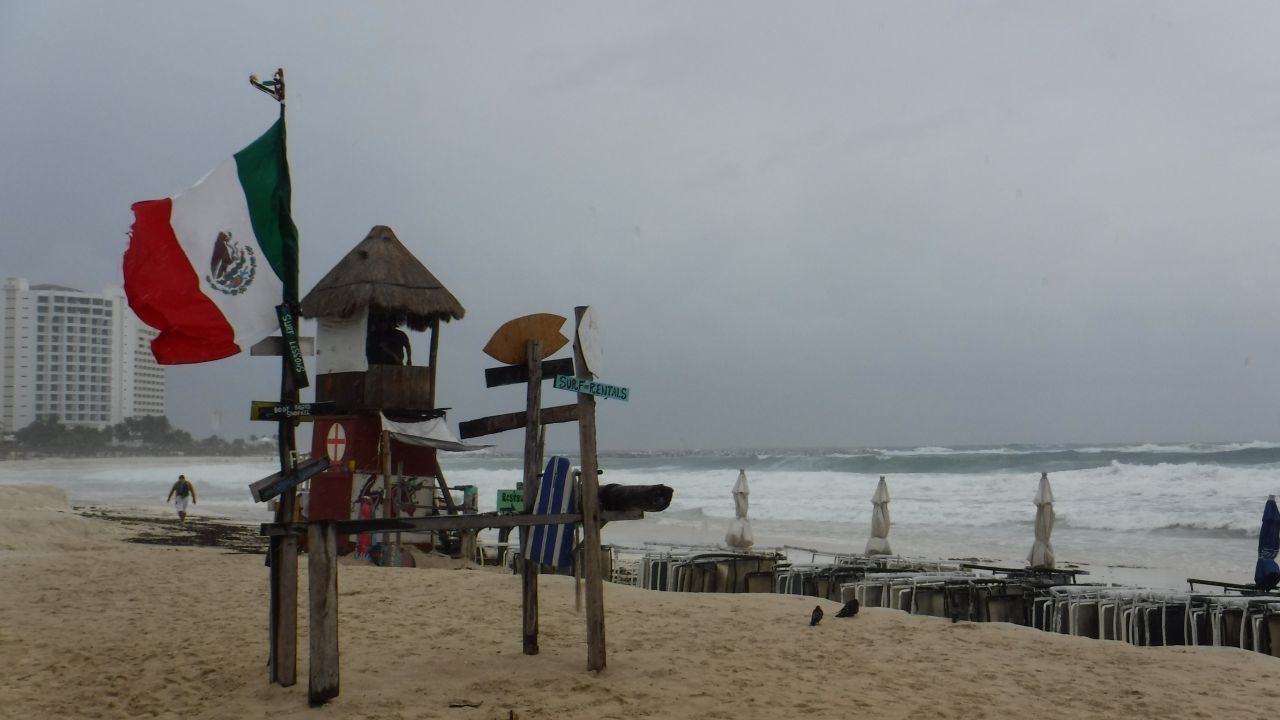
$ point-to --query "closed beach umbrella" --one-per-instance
(739, 535)
(878, 543)
(1267, 574)
(1042, 551)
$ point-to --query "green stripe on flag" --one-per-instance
(263, 169)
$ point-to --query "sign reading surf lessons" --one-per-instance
(591, 387)
(293, 351)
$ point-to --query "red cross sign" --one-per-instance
(336, 443)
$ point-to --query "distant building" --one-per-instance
(84, 358)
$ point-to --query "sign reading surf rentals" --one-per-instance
(591, 387)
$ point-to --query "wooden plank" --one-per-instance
(593, 573)
(445, 495)
(437, 523)
(398, 387)
(514, 421)
(532, 428)
(515, 374)
(274, 346)
(394, 388)
(322, 576)
(1239, 587)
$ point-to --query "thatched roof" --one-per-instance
(382, 274)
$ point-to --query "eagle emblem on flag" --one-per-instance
(231, 266)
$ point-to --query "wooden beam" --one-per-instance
(445, 495)
(274, 346)
(437, 523)
(432, 356)
(322, 586)
(515, 374)
(593, 574)
(514, 421)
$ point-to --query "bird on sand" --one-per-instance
(849, 610)
(816, 616)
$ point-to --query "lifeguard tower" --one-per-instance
(380, 420)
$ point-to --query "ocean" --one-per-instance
(1146, 515)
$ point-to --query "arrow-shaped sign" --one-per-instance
(275, 484)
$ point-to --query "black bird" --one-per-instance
(849, 610)
(816, 616)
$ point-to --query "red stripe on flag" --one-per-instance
(164, 290)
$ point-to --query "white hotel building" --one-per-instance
(84, 358)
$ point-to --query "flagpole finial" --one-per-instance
(273, 87)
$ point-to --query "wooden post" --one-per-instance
(282, 606)
(322, 575)
(431, 360)
(590, 510)
(282, 611)
(399, 479)
(532, 431)
(384, 461)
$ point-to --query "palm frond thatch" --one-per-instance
(381, 274)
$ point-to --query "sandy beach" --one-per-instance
(98, 626)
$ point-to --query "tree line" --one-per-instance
(145, 435)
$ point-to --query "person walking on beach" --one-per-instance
(182, 489)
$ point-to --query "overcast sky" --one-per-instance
(802, 224)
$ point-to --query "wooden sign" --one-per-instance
(275, 484)
(508, 345)
(591, 387)
(512, 421)
(514, 374)
(303, 412)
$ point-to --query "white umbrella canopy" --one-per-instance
(739, 535)
(1042, 550)
(878, 543)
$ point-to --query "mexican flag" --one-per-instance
(207, 267)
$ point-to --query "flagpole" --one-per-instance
(283, 620)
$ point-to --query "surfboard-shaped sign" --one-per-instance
(589, 342)
(510, 342)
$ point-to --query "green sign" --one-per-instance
(511, 500)
(293, 353)
(591, 387)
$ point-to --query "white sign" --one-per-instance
(336, 443)
(589, 342)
